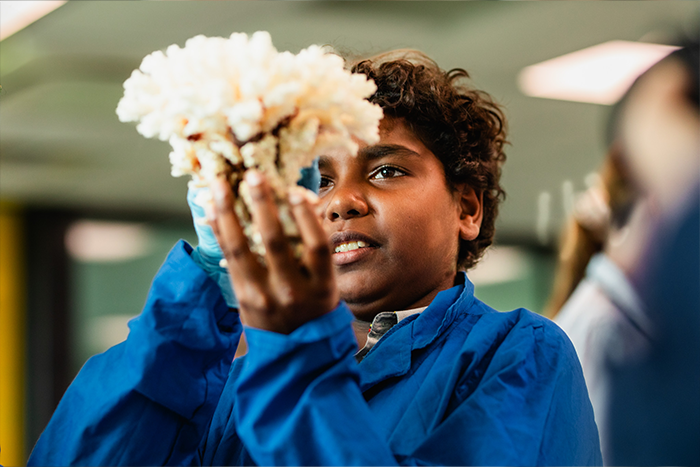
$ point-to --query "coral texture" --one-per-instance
(230, 104)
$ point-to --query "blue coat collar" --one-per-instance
(391, 356)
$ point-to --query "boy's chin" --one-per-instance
(364, 315)
(365, 307)
(361, 304)
(369, 293)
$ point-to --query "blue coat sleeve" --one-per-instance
(149, 400)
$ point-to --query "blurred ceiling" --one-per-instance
(62, 145)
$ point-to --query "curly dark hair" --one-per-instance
(462, 126)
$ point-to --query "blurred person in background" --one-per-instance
(591, 296)
(634, 315)
(603, 207)
(654, 408)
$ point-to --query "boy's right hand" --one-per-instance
(285, 292)
(208, 255)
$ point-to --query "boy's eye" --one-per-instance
(387, 172)
(325, 182)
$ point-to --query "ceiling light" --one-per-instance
(15, 15)
(599, 75)
(99, 241)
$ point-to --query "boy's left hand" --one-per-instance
(286, 292)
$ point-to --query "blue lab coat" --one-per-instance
(458, 384)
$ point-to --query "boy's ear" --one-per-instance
(471, 204)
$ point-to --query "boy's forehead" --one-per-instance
(388, 124)
(395, 140)
(389, 129)
(392, 126)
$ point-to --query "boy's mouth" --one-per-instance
(350, 247)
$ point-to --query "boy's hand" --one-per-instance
(287, 292)
(208, 255)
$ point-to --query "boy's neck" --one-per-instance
(361, 329)
(365, 312)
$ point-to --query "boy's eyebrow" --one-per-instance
(377, 151)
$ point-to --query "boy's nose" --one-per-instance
(346, 204)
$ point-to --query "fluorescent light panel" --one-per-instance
(100, 241)
(599, 75)
(16, 15)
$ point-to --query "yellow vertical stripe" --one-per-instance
(12, 335)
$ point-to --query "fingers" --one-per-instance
(279, 257)
(228, 232)
(317, 251)
(272, 296)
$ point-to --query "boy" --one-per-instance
(450, 382)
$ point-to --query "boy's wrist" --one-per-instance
(210, 265)
(324, 327)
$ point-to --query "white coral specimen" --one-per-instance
(227, 105)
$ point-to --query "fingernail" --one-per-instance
(295, 197)
(217, 188)
(299, 194)
(209, 212)
(253, 177)
(311, 197)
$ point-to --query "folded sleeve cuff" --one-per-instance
(185, 339)
(272, 344)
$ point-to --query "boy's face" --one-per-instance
(393, 223)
